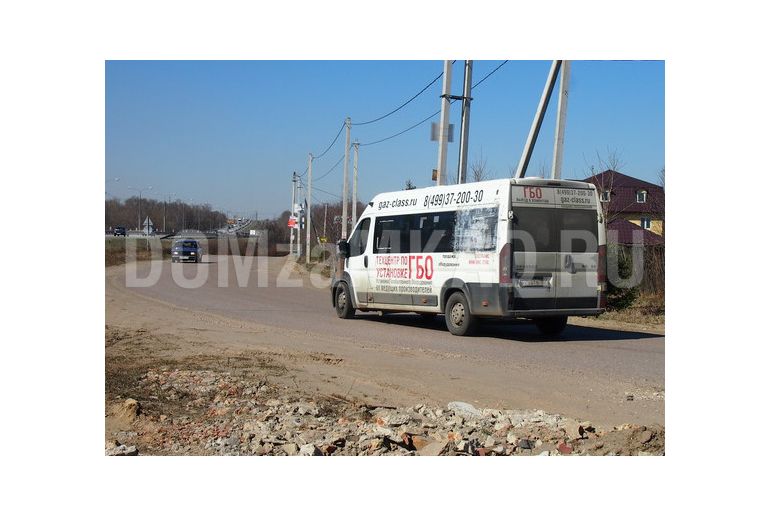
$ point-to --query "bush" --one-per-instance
(619, 298)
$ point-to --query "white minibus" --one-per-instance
(509, 248)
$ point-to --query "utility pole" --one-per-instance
(325, 206)
(299, 221)
(307, 207)
(561, 121)
(355, 185)
(444, 124)
(538, 120)
(345, 181)
(139, 214)
(291, 212)
(168, 198)
(462, 169)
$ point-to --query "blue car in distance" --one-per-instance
(186, 251)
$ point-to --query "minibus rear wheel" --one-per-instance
(344, 306)
(551, 326)
(459, 320)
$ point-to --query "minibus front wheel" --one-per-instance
(344, 305)
(459, 319)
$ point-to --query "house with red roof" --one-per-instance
(631, 207)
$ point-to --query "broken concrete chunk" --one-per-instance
(464, 409)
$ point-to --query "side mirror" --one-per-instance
(344, 248)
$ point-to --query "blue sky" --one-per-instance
(230, 133)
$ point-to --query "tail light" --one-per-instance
(505, 264)
(602, 268)
(601, 276)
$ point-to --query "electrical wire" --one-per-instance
(432, 115)
(387, 115)
(490, 73)
(327, 193)
(322, 190)
(330, 170)
(331, 144)
(402, 132)
(431, 83)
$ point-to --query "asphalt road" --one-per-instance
(585, 373)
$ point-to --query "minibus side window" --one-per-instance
(444, 225)
(436, 232)
(392, 234)
(476, 230)
(382, 245)
(359, 238)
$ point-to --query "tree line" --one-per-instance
(178, 215)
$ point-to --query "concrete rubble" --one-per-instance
(181, 412)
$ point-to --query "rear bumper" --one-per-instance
(495, 300)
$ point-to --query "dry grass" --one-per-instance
(647, 309)
(324, 269)
(115, 248)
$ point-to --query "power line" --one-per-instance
(385, 116)
(331, 144)
(431, 83)
(402, 132)
(321, 155)
(490, 73)
(331, 169)
(317, 200)
(432, 115)
(320, 190)
(328, 193)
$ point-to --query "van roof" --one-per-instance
(535, 181)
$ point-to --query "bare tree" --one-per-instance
(479, 171)
(409, 185)
(177, 214)
(612, 162)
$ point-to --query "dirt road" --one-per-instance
(588, 373)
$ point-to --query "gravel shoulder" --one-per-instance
(612, 324)
(147, 336)
(159, 402)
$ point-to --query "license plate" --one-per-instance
(533, 283)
